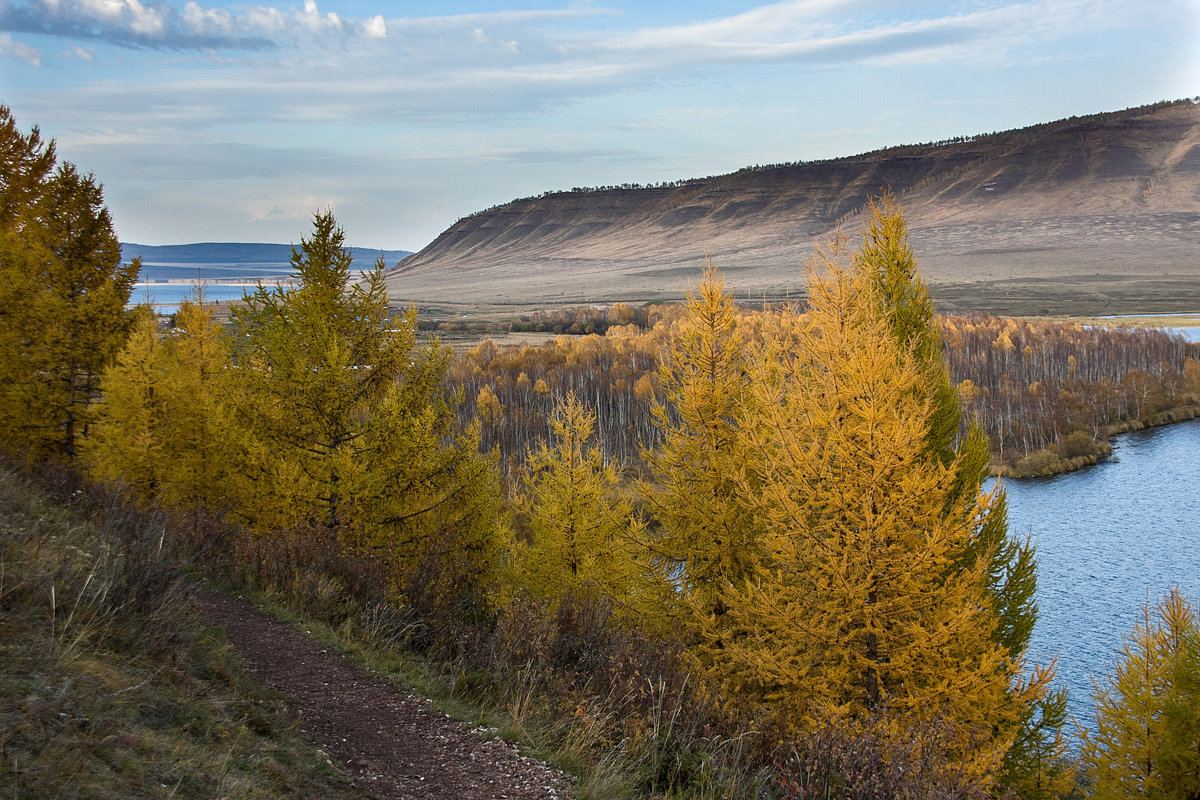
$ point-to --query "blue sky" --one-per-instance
(213, 121)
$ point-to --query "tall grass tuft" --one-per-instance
(108, 686)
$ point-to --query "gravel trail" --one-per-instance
(391, 743)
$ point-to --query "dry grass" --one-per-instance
(574, 680)
(109, 687)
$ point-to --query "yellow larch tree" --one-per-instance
(126, 424)
(195, 449)
(1037, 764)
(582, 531)
(863, 603)
(342, 423)
(707, 539)
(64, 288)
(1146, 738)
(157, 428)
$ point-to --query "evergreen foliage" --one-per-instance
(63, 289)
(341, 420)
(1146, 741)
(582, 532)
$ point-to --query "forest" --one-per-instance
(722, 553)
(1048, 394)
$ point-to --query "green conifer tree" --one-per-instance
(342, 422)
(582, 532)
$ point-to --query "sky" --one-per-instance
(212, 121)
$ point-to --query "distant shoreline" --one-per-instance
(221, 281)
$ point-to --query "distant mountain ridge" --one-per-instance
(226, 260)
(1102, 209)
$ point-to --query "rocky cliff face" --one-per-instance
(1093, 204)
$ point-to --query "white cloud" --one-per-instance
(9, 48)
(203, 21)
(109, 10)
(216, 112)
(145, 21)
(375, 28)
(312, 21)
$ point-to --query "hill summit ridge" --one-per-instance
(1102, 210)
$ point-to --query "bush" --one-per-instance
(1077, 444)
(879, 757)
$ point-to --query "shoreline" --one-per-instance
(1047, 462)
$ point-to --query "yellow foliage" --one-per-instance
(708, 540)
(862, 602)
(581, 531)
(125, 446)
(1146, 740)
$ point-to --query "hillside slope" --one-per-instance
(1097, 213)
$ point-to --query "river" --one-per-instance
(1108, 537)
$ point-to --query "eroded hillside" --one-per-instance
(1088, 214)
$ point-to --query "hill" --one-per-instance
(1096, 214)
(224, 261)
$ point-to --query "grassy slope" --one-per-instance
(109, 688)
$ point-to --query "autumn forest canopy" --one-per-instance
(768, 527)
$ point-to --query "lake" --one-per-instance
(166, 297)
(1109, 537)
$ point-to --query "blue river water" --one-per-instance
(1110, 538)
(166, 297)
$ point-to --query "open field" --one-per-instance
(1148, 321)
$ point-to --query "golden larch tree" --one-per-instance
(582, 532)
(127, 423)
(863, 603)
(1146, 738)
(708, 540)
(194, 445)
(64, 288)
(1036, 765)
(342, 423)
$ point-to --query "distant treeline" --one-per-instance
(1032, 385)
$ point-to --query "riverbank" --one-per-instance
(1065, 456)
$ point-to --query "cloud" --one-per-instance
(827, 32)
(13, 49)
(375, 28)
(133, 23)
(428, 70)
(198, 26)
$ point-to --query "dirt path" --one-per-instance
(388, 741)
